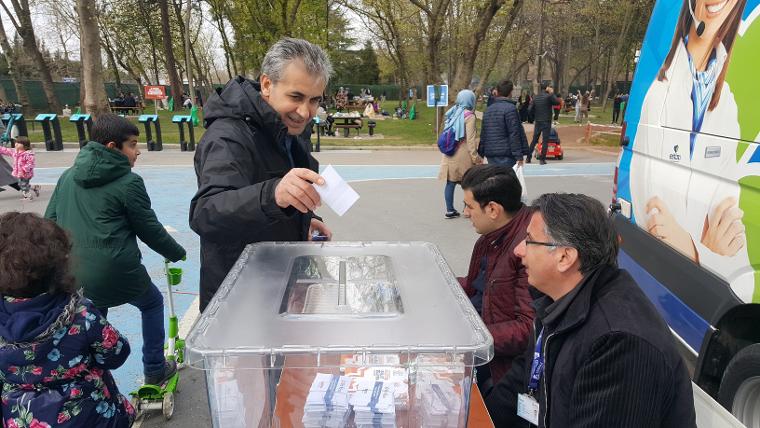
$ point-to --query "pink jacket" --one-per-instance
(23, 162)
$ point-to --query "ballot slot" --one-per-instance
(360, 286)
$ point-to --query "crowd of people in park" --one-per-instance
(572, 332)
(578, 104)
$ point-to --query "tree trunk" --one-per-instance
(492, 61)
(10, 57)
(518, 69)
(463, 75)
(114, 67)
(436, 18)
(30, 46)
(65, 54)
(229, 58)
(617, 54)
(95, 100)
(135, 76)
(171, 66)
(184, 31)
(540, 50)
(568, 56)
(82, 85)
(188, 59)
(598, 52)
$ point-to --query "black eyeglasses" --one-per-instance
(545, 244)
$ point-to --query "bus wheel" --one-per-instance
(740, 388)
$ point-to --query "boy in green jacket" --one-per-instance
(105, 208)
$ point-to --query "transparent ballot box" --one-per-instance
(339, 334)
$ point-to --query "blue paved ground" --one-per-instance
(171, 188)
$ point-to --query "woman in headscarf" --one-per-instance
(461, 119)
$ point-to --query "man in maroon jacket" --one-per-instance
(497, 283)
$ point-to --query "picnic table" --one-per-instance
(347, 121)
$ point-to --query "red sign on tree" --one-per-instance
(155, 92)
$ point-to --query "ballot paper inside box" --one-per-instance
(336, 334)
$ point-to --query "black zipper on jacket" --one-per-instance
(546, 389)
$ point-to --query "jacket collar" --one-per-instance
(504, 100)
(572, 309)
(509, 230)
(263, 113)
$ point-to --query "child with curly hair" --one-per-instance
(23, 166)
(56, 349)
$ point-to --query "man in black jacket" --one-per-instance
(502, 137)
(600, 354)
(254, 168)
(542, 110)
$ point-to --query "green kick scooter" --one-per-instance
(161, 397)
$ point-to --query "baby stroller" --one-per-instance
(555, 148)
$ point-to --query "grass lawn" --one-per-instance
(396, 132)
(596, 115)
(606, 140)
(169, 130)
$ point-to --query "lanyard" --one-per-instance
(537, 367)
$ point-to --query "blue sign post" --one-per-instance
(437, 96)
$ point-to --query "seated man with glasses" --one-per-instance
(496, 281)
(600, 354)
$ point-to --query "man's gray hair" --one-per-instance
(581, 222)
(287, 50)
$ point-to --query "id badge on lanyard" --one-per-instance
(527, 405)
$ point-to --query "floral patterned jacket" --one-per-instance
(61, 377)
(23, 162)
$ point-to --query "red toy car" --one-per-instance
(555, 148)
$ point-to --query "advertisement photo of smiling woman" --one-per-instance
(688, 105)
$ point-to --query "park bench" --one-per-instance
(138, 110)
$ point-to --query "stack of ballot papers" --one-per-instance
(373, 404)
(381, 367)
(327, 404)
(440, 404)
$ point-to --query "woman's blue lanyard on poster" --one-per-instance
(703, 87)
(537, 366)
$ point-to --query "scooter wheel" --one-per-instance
(168, 405)
(137, 404)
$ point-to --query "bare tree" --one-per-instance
(10, 58)
(171, 64)
(22, 21)
(219, 10)
(485, 14)
(435, 11)
(617, 54)
(385, 22)
(95, 101)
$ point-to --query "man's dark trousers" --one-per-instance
(540, 128)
